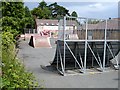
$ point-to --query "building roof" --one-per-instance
(46, 22)
(50, 22)
(111, 24)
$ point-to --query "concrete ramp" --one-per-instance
(39, 41)
(77, 49)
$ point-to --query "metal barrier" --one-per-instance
(85, 40)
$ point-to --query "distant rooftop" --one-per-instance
(50, 22)
(42, 22)
(111, 24)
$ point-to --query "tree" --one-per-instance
(46, 13)
(13, 9)
(29, 20)
(74, 14)
(13, 17)
(37, 12)
(52, 11)
(42, 11)
(14, 74)
(42, 5)
(27, 12)
(58, 11)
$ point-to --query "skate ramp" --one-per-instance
(39, 41)
(78, 50)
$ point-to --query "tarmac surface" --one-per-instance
(35, 59)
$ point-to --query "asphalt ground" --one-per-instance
(35, 59)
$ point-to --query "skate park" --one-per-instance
(81, 50)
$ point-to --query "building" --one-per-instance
(50, 27)
(96, 31)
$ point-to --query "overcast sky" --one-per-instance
(87, 9)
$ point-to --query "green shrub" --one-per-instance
(13, 72)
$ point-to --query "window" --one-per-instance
(89, 35)
(47, 23)
(52, 24)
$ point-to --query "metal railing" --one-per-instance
(94, 34)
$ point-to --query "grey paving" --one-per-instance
(33, 58)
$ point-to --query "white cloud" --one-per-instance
(95, 10)
(96, 5)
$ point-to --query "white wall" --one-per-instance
(54, 29)
(41, 28)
